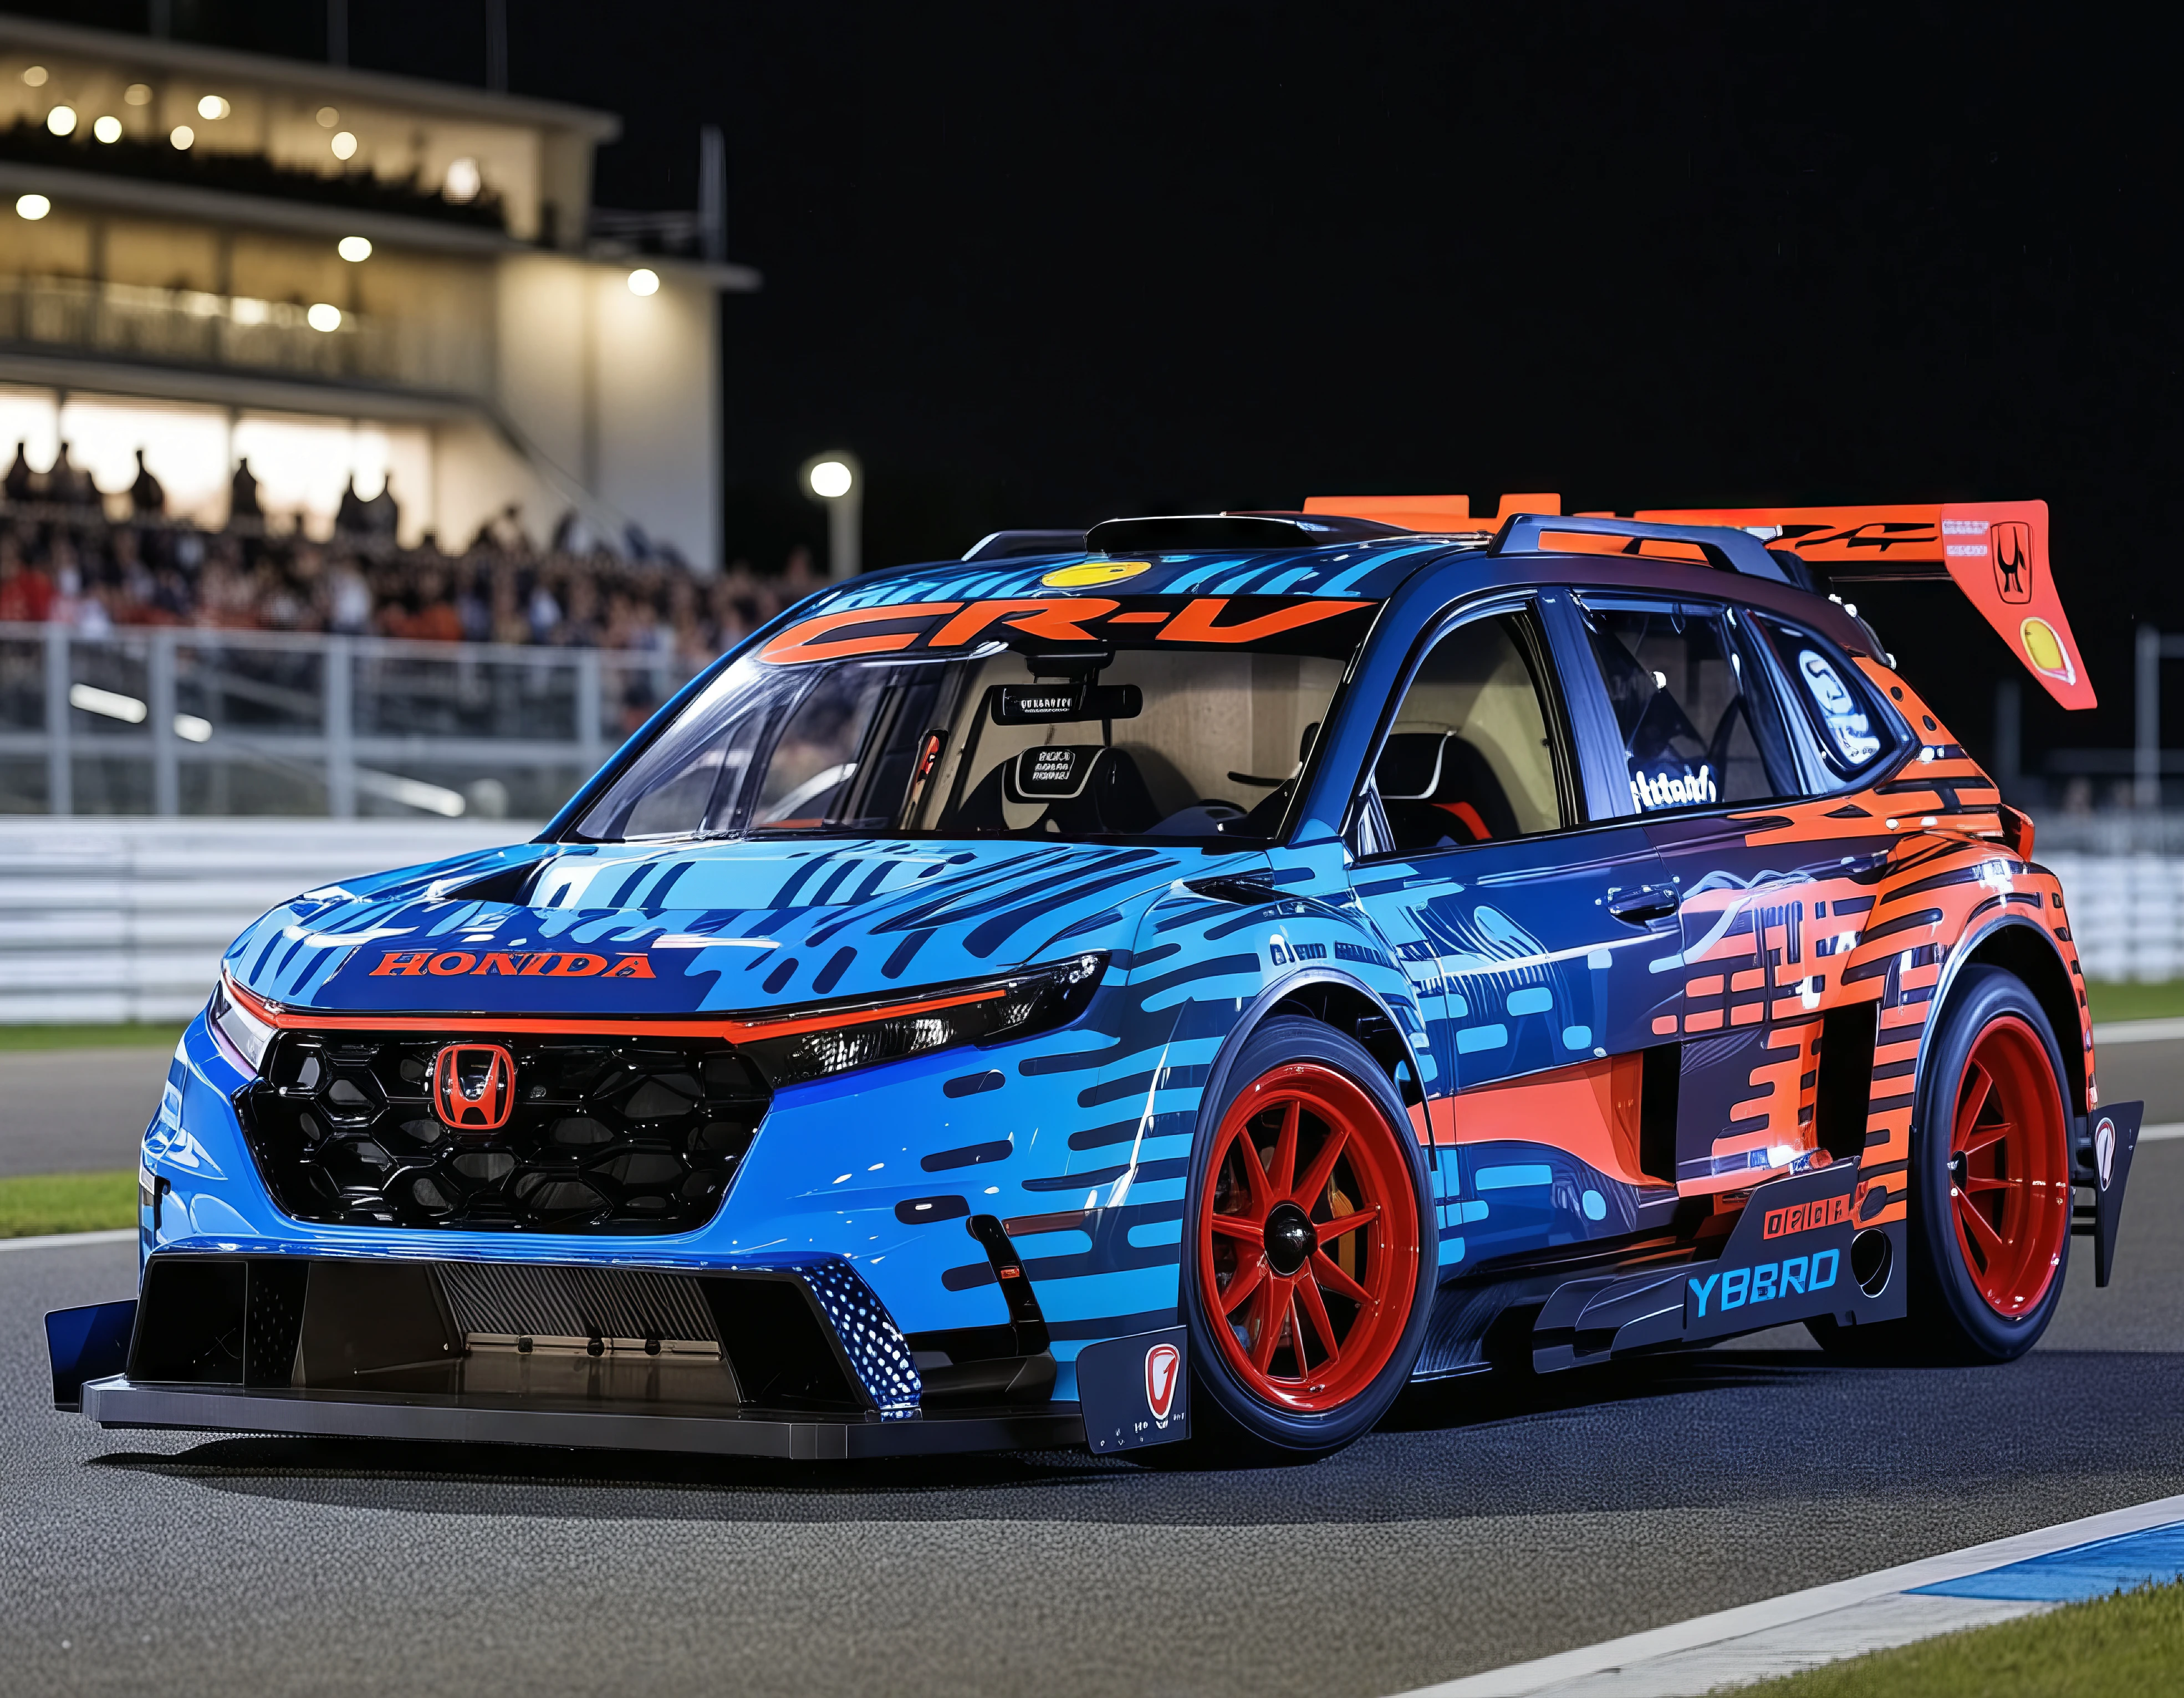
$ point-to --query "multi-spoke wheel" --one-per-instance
(1989, 1178)
(2010, 1180)
(1308, 1271)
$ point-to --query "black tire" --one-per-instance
(1231, 1424)
(1948, 1320)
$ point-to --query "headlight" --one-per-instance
(242, 1032)
(817, 1043)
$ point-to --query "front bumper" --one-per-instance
(794, 1360)
(118, 1401)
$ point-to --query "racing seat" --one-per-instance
(1088, 790)
(1440, 792)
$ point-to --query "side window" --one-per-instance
(1470, 757)
(1844, 730)
(1696, 721)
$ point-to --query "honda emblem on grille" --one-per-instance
(474, 1086)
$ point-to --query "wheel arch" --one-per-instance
(1334, 999)
(2024, 950)
(1333, 992)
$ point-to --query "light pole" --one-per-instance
(837, 482)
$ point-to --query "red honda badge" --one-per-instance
(474, 1086)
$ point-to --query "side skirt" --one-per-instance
(1799, 1250)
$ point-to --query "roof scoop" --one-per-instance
(1245, 533)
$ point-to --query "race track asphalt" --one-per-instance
(77, 1111)
(1483, 1525)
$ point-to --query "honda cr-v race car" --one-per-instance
(1186, 980)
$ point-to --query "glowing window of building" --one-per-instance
(184, 448)
(302, 463)
(29, 416)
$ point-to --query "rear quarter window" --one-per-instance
(1835, 714)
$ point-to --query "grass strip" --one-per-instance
(34, 1204)
(2114, 999)
(160, 1035)
(2120, 1646)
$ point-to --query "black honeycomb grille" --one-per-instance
(607, 1134)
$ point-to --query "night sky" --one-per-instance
(1044, 265)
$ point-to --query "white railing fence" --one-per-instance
(181, 721)
(2127, 913)
(117, 919)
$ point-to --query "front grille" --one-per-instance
(524, 1300)
(606, 1134)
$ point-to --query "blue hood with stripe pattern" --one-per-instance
(686, 928)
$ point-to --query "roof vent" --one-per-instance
(1248, 532)
(1018, 545)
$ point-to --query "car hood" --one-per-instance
(613, 929)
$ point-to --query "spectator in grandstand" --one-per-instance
(26, 594)
(146, 495)
(67, 483)
(243, 492)
(69, 565)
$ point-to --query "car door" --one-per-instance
(1476, 852)
(1710, 759)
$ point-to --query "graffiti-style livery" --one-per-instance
(1181, 987)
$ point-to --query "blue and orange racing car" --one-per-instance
(1184, 981)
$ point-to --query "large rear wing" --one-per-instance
(1995, 552)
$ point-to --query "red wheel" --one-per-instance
(1987, 1234)
(2010, 1180)
(1308, 1238)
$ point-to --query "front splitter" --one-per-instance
(118, 1402)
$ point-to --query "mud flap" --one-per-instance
(1797, 1252)
(90, 1343)
(2115, 1141)
(1135, 1391)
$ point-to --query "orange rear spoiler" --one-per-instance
(1995, 551)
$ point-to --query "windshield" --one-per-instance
(1157, 716)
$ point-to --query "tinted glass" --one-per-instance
(1149, 732)
(1470, 757)
(1841, 722)
(1698, 727)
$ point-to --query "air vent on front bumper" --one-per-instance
(603, 1133)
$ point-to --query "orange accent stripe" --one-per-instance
(1433, 514)
(788, 1027)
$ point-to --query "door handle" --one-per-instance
(1638, 903)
